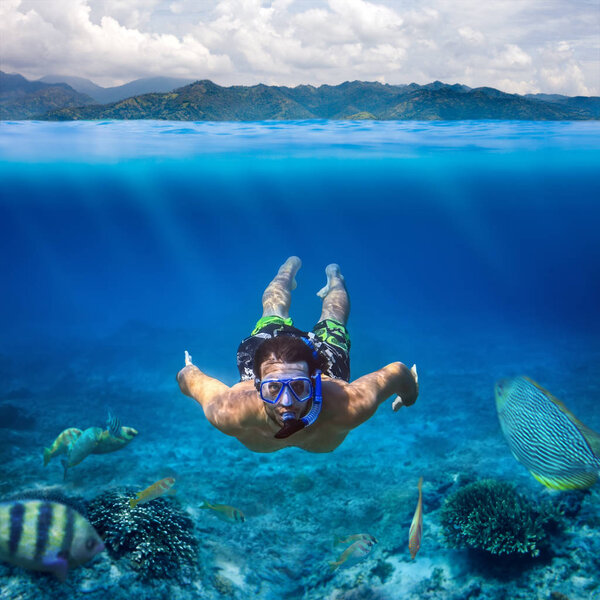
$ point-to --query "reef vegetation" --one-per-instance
(491, 516)
(157, 538)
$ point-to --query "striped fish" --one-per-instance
(224, 512)
(154, 491)
(416, 527)
(354, 553)
(61, 444)
(46, 536)
(558, 449)
(109, 443)
(113, 425)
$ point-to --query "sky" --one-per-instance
(518, 46)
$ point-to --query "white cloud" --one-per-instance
(515, 45)
(512, 57)
(471, 36)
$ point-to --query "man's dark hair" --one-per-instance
(289, 349)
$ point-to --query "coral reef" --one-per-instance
(490, 515)
(157, 537)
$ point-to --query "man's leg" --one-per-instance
(336, 303)
(277, 297)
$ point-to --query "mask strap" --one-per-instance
(311, 345)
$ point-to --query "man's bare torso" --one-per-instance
(258, 433)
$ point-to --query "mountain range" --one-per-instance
(103, 95)
(163, 98)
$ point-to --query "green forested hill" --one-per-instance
(23, 99)
(206, 101)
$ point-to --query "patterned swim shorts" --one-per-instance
(330, 337)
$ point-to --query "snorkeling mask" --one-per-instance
(271, 390)
(301, 388)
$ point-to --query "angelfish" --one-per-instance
(545, 436)
(416, 527)
(154, 491)
(225, 512)
(46, 536)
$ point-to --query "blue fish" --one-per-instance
(545, 436)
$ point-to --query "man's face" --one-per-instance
(273, 369)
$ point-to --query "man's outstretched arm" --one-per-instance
(226, 413)
(199, 386)
(369, 391)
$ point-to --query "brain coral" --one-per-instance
(157, 537)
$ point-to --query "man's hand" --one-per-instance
(409, 399)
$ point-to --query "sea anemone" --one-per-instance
(157, 537)
(491, 516)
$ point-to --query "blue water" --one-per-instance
(183, 224)
(470, 248)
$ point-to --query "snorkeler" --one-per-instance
(294, 386)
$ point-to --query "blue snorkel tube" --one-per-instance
(292, 425)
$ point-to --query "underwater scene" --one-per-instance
(470, 249)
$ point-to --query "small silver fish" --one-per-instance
(354, 553)
(545, 436)
(416, 527)
(46, 536)
(354, 538)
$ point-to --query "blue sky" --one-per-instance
(518, 46)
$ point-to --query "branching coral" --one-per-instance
(157, 536)
(491, 516)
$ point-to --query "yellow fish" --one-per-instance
(224, 512)
(354, 553)
(154, 491)
(110, 443)
(416, 527)
(61, 444)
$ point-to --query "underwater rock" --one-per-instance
(13, 417)
(569, 503)
(302, 483)
(157, 537)
(17, 394)
(491, 516)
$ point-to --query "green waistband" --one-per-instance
(273, 319)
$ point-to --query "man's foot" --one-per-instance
(289, 268)
(334, 278)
